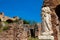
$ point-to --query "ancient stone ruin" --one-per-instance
(49, 29)
(6, 18)
(17, 30)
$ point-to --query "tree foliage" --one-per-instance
(26, 22)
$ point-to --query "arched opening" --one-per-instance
(9, 21)
(57, 10)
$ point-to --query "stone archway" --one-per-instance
(9, 21)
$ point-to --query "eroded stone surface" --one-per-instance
(15, 32)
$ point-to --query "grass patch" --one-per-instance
(6, 22)
(1, 30)
(5, 28)
(30, 38)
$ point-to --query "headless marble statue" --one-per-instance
(46, 19)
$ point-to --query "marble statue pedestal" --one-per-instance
(46, 36)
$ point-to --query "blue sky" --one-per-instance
(26, 9)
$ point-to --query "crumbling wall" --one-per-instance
(20, 33)
(7, 34)
(16, 31)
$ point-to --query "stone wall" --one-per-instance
(15, 32)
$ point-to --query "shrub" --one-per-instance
(0, 30)
(6, 22)
(5, 28)
(26, 22)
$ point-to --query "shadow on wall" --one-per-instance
(57, 10)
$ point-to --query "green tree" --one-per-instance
(26, 22)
